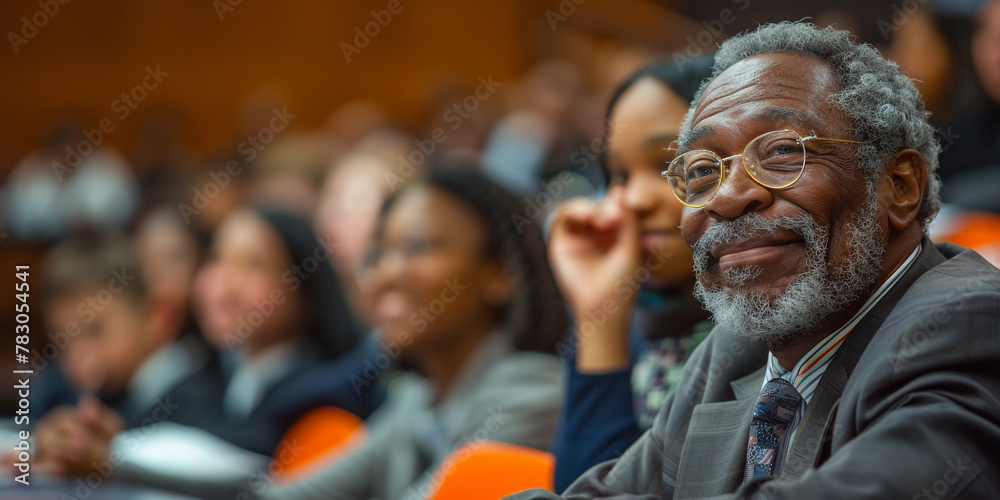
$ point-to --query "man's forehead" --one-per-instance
(790, 88)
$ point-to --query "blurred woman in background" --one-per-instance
(268, 299)
(471, 303)
(170, 253)
(627, 275)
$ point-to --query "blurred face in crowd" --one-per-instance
(112, 342)
(348, 209)
(169, 257)
(430, 284)
(240, 298)
(644, 122)
(770, 262)
(986, 48)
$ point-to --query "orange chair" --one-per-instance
(979, 231)
(487, 470)
(323, 433)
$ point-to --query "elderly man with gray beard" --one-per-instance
(852, 358)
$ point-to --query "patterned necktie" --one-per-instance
(775, 409)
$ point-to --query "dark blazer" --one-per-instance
(314, 383)
(182, 402)
(908, 408)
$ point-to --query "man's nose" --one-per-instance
(739, 194)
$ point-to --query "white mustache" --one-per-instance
(746, 227)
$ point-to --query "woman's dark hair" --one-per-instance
(535, 317)
(331, 328)
(681, 76)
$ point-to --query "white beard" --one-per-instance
(812, 297)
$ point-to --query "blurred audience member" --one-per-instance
(354, 120)
(970, 149)
(269, 300)
(72, 182)
(518, 150)
(288, 172)
(348, 209)
(215, 193)
(169, 253)
(626, 250)
(922, 52)
(115, 339)
(610, 63)
(161, 159)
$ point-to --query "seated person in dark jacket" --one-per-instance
(111, 337)
(268, 298)
(626, 250)
(851, 357)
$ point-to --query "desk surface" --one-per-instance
(46, 489)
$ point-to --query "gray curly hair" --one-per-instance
(886, 112)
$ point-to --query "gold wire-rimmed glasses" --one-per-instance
(774, 160)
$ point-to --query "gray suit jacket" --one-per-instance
(500, 396)
(908, 408)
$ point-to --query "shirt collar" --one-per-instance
(161, 372)
(254, 376)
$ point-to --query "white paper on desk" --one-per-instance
(185, 452)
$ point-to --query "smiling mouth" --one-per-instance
(751, 251)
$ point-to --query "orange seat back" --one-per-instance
(323, 433)
(979, 231)
(487, 470)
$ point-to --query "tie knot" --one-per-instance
(777, 403)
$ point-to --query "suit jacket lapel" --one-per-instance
(814, 429)
(715, 448)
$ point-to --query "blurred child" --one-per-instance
(115, 341)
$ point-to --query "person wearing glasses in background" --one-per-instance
(852, 357)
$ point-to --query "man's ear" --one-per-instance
(907, 176)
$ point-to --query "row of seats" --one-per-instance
(478, 470)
